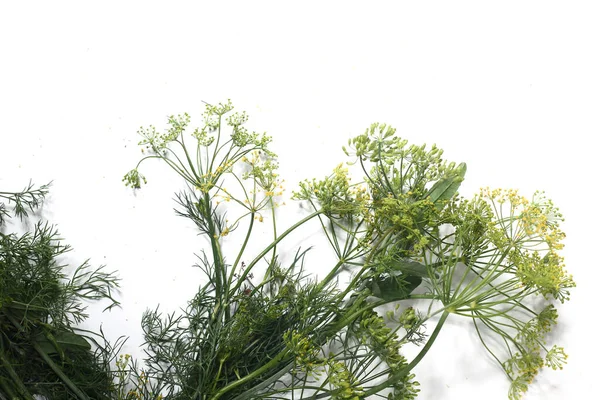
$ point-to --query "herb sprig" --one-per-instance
(42, 351)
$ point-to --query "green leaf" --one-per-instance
(394, 288)
(409, 268)
(61, 341)
(447, 187)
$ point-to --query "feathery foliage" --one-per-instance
(42, 352)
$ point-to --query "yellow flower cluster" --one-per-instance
(556, 358)
(362, 198)
(526, 366)
(123, 362)
(532, 334)
(124, 379)
(540, 218)
(379, 337)
(140, 393)
(529, 232)
(502, 196)
(335, 194)
(374, 332)
(305, 352)
(342, 379)
(534, 222)
(407, 216)
(134, 179)
(263, 169)
(208, 181)
(547, 273)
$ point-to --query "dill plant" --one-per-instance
(403, 233)
(42, 350)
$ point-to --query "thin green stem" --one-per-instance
(274, 221)
(270, 246)
(266, 367)
(189, 160)
(242, 249)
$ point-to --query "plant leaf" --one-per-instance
(61, 341)
(447, 187)
(394, 287)
(409, 268)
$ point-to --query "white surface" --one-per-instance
(511, 88)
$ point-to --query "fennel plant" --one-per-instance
(400, 229)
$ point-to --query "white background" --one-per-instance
(512, 88)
